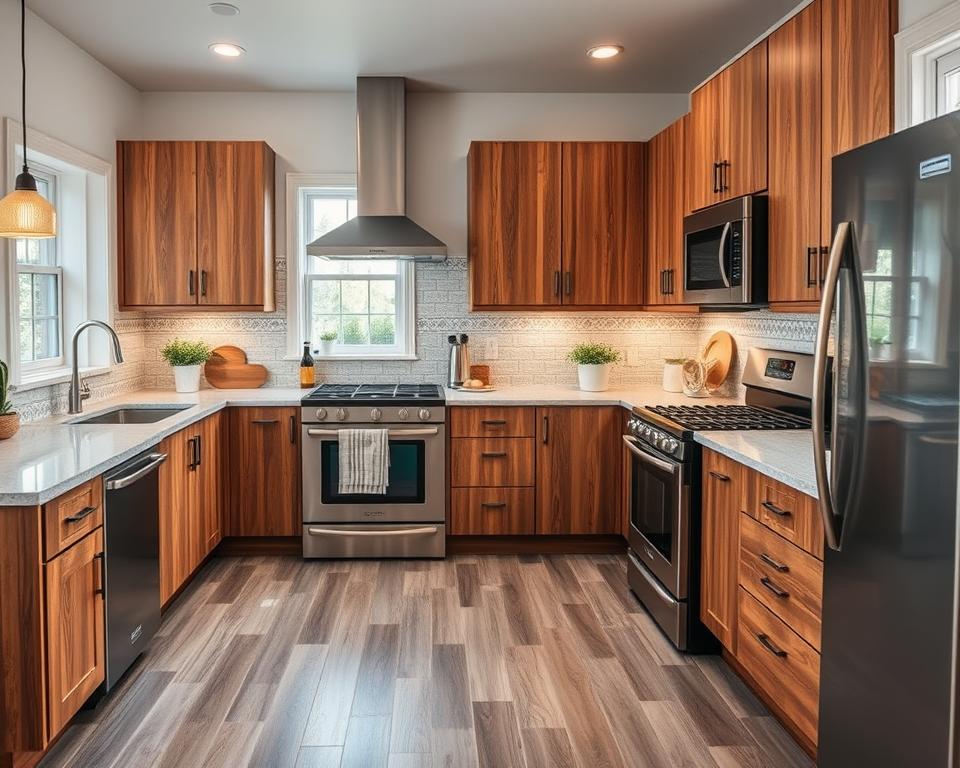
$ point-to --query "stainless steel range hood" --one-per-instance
(381, 229)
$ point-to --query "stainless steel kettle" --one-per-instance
(459, 370)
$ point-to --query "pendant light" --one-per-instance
(25, 212)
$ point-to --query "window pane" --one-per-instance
(354, 330)
(883, 301)
(325, 298)
(383, 329)
(323, 324)
(25, 295)
(383, 297)
(45, 289)
(328, 213)
(878, 329)
(354, 296)
(26, 341)
(46, 341)
(376, 267)
(915, 299)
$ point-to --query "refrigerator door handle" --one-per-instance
(841, 242)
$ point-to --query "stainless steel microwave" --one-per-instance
(725, 253)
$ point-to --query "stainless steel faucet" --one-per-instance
(78, 392)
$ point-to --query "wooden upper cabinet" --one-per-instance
(578, 470)
(603, 240)
(514, 224)
(196, 225)
(720, 546)
(727, 138)
(158, 223)
(265, 496)
(795, 158)
(76, 660)
(664, 211)
(857, 60)
(235, 224)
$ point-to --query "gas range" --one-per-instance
(366, 403)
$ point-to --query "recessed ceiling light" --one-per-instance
(224, 9)
(227, 49)
(604, 51)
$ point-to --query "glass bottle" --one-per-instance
(308, 376)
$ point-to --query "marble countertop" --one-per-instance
(47, 458)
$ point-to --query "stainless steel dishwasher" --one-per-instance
(132, 562)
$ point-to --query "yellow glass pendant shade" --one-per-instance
(26, 213)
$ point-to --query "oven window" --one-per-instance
(703, 268)
(654, 502)
(407, 475)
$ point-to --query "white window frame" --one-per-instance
(299, 279)
(916, 51)
(29, 366)
(86, 254)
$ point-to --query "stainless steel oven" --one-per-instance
(725, 253)
(406, 521)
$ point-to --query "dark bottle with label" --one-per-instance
(308, 376)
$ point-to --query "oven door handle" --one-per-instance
(427, 530)
(666, 466)
(722, 252)
(425, 432)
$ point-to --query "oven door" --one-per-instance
(659, 516)
(415, 492)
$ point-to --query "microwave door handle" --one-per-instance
(722, 253)
(666, 466)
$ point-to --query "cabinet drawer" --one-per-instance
(492, 422)
(781, 663)
(491, 461)
(70, 517)
(786, 511)
(783, 577)
(492, 511)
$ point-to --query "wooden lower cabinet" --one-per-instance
(492, 461)
(578, 469)
(264, 475)
(492, 511)
(75, 628)
(719, 546)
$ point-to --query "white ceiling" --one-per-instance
(460, 45)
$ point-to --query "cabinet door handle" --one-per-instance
(203, 282)
(546, 430)
(293, 429)
(775, 564)
(198, 446)
(190, 287)
(716, 178)
(812, 252)
(724, 176)
(493, 454)
(556, 283)
(493, 504)
(718, 476)
(76, 518)
(494, 422)
(265, 421)
(770, 585)
(568, 283)
(767, 643)
(670, 281)
(821, 267)
(192, 449)
(102, 588)
(771, 507)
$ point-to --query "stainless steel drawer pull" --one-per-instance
(426, 432)
(83, 513)
(771, 507)
(493, 504)
(776, 565)
(494, 422)
(718, 476)
(781, 593)
(493, 454)
(423, 531)
(767, 643)
(265, 421)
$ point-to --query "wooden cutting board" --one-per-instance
(228, 368)
(721, 349)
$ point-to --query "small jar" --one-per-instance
(672, 374)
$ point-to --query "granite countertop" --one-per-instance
(47, 458)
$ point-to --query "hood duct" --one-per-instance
(381, 230)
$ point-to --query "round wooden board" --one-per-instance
(228, 368)
(722, 348)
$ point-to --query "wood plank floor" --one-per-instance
(474, 661)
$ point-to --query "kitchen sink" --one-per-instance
(131, 415)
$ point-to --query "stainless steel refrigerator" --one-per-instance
(888, 485)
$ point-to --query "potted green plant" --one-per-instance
(9, 418)
(186, 357)
(593, 361)
(326, 343)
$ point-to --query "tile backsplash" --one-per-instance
(527, 348)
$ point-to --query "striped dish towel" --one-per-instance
(364, 460)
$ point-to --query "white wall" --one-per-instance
(912, 11)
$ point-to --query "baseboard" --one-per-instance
(805, 744)
(536, 545)
(235, 546)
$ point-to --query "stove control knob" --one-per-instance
(670, 445)
(321, 413)
(376, 414)
(403, 414)
(341, 414)
(423, 414)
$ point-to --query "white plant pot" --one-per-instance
(594, 378)
(326, 348)
(187, 377)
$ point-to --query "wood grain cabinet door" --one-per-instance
(235, 224)
(743, 124)
(179, 502)
(514, 224)
(720, 519)
(664, 208)
(603, 240)
(264, 474)
(75, 628)
(701, 172)
(210, 480)
(157, 190)
(578, 470)
(795, 158)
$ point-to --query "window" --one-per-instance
(928, 67)
(948, 82)
(366, 306)
(39, 291)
